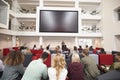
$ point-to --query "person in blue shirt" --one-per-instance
(36, 69)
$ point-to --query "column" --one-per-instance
(76, 41)
(76, 3)
(40, 40)
(41, 3)
(13, 41)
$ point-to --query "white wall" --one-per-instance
(28, 41)
(117, 41)
(111, 27)
(5, 41)
(55, 41)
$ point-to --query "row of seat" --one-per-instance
(101, 59)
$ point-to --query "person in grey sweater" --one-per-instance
(90, 67)
(13, 66)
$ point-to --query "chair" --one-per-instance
(15, 48)
(6, 51)
(105, 59)
(95, 57)
(48, 61)
(36, 54)
(28, 59)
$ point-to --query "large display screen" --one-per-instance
(58, 21)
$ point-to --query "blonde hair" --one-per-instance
(58, 62)
(14, 58)
(75, 58)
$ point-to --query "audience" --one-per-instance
(75, 69)
(75, 50)
(117, 57)
(64, 47)
(13, 66)
(102, 51)
(57, 71)
(84, 69)
(90, 67)
(87, 47)
(80, 49)
(57, 50)
(91, 50)
(36, 70)
(41, 47)
(34, 47)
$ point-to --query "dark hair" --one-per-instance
(75, 48)
(118, 53)
(44, 55)
(48, 47)
(14, 58)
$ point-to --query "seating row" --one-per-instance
(101, 59)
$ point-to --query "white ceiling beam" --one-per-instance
(30, 3)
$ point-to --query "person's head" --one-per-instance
(41, 47)
(44, 56)
(86, 46)
(75, 48)
(58, 62)
(63, 43)
(91, 48)
(80, 46)
(14, 58)
(48, 47)
(86, 52)
(117, 56)
(75, 58)
(102, 50)
(34, 46)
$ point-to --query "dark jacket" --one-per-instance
(112, 75)
(75, 71)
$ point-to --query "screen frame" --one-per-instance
(58, 9)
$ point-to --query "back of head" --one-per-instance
(75, 58)
(58, 61)
(117, 57)
(44, 55)
(75, 48)
(86, 52)
(14, 58)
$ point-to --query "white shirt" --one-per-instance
(52, 74)
(1, 65)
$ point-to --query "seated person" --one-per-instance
(113, 74)
(13, 66)
(57, 71)
(75, 68)
(36, 69)
(90, 67)
(117, 57)
(102, 51)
